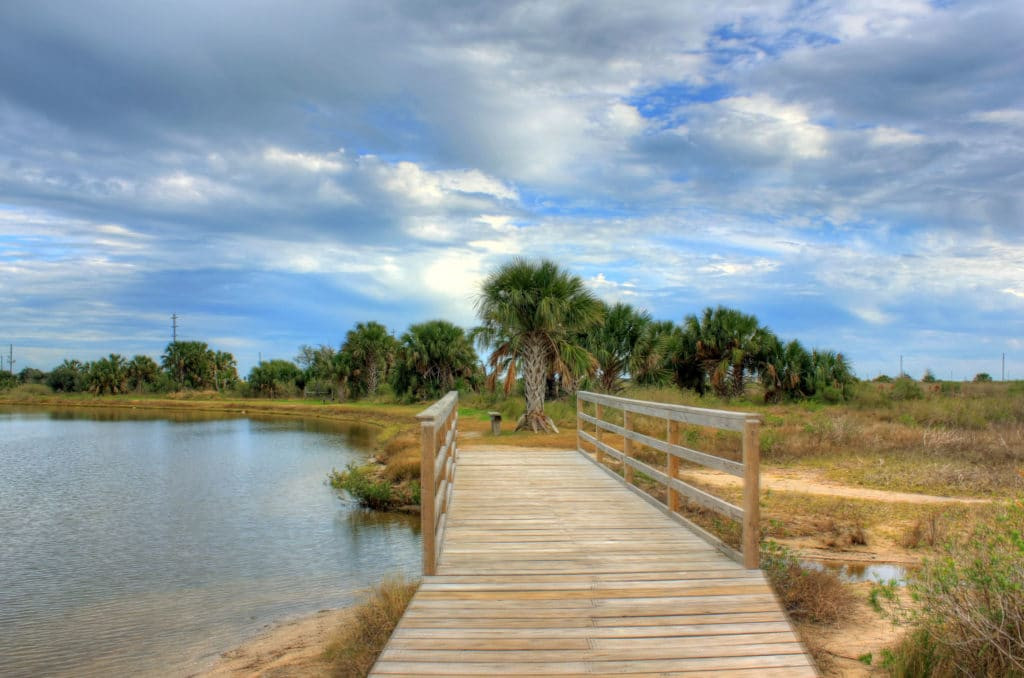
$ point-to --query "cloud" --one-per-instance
(849, 172)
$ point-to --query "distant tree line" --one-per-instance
(184, 365)
(540, 328)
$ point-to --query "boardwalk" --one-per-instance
(551, 567)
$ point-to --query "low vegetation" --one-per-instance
(808, 594)
(358, 644)
(965, 616)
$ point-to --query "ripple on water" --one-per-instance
(146, 546)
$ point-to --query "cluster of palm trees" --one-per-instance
(541, 322)
(430, 359)
(184, 364)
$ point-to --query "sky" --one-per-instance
(852, 173)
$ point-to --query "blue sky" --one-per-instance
(851, 173)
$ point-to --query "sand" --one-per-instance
(291, 648)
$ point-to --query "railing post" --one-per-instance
(673, 465)
(579, 422)
(751, 493)
(627, 447)
(598, 412)
(428, 442)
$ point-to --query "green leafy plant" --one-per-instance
(967, 616)
(369, 492)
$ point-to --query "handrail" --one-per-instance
(747, 424)
(438, 433)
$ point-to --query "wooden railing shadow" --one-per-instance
(748, 425)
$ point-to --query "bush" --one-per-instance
(968, 617)
(982, 377)
(358, 482)
(806, 593)
(906, 388)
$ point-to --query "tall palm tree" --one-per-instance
(728, 344)
(531, 315)
(613, 343)
(434, 357)
(371, 352)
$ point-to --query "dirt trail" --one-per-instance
(810, 483)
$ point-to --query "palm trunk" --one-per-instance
(535, 369)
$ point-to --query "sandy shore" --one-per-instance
(292, 648)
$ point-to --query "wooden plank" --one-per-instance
(697, 416)
(590, 583)
(440, 410)
(428, 524)
(673, 449)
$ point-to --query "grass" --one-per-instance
(357, 645)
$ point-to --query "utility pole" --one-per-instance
(10, 359)
(1003, 378)
(174, 328)
(901, 365)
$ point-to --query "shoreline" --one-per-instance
(290, 647)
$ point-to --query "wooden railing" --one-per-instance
(749, 470)
(438, 428)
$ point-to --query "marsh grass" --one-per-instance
(355, 648)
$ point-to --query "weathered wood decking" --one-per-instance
(551, 567)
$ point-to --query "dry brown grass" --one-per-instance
(358, 644)
(809, 595)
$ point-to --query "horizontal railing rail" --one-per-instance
(438, 433)
(748, 425)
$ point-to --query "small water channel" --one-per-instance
(134, 543)
(856, 571)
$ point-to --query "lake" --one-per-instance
(143, 544)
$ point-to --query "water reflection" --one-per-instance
(866, 571)
(142, 543)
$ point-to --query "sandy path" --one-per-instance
(292, 648)
(808, 483)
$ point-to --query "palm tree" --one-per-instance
(531, 316)
(433, 358)
(108, 375)
(728, 344)
(831, 374)
(371, 352)
(613, 343)
(786, 371)
(141, 370)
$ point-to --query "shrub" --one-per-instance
(360, 642)
(358, 482)
(982, 377)
(968, 617)
(806, 593)
(929, 377)
(906, 388)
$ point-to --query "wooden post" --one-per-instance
(751, 493)
(673, 465)
(598, 412)
(428, 523)
(627, 447)
(579, 423)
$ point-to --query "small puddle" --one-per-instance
(861, 571)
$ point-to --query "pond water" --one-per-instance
(144, 544)
(856, 571)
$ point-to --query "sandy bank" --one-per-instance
(291, 648)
